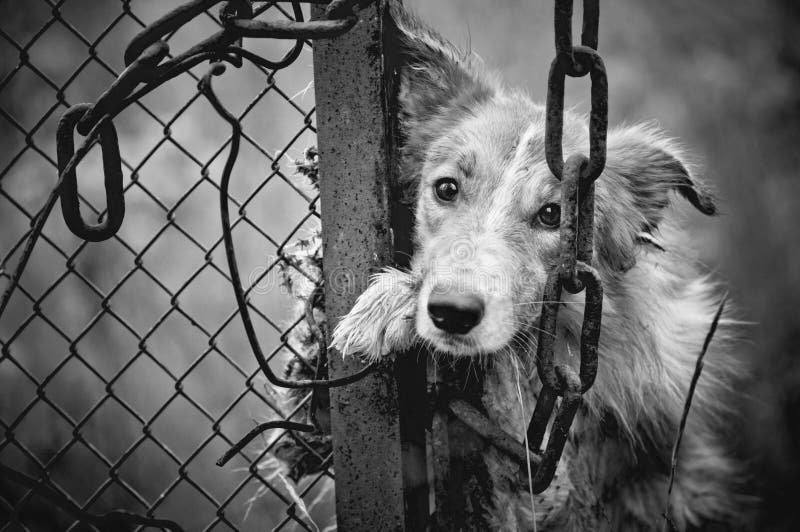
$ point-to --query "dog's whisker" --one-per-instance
(527, 444)
(541, 302)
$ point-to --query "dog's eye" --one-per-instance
(446, 189)
(550, 215)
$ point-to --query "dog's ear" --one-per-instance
(643, 169)
(435, 77)
(651, 166)
(438, 86)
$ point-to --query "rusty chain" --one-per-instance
(147, 68)
(573, 272)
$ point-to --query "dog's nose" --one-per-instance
(455, 313)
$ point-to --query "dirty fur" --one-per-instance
(460, 122)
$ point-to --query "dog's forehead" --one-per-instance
(505, 128)
(489, 138)
(507, 140)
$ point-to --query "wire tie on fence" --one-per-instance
(288, 29)
(263, 427)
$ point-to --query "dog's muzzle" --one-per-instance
(455, 312)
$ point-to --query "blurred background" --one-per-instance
(132, 342)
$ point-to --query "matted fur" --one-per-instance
(459, 121)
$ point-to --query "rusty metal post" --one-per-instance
(353, 86)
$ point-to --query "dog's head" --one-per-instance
(488, 207)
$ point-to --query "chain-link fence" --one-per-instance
(124, 371)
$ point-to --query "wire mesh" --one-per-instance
(124, 373)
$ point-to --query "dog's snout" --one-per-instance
(455, 313)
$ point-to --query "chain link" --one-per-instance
(112, 169)
(573, 272)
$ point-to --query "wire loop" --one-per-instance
(112, 169)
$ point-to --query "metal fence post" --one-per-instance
(353, 96)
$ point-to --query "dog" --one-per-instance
(485, 238)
